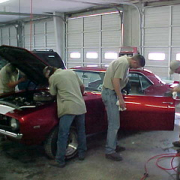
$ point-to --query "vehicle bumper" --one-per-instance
(10, 134)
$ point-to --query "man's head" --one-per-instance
(137, 61)
(175, 67)
(11, 69)
(48, 71)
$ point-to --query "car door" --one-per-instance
(148, 113)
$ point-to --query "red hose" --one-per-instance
(159, 157)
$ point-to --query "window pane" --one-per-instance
(75, 55)
(178, 56)
(110, 55)
(156, 56)
(91, 80)
(92, 55)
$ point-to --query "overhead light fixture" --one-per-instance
(2, 1)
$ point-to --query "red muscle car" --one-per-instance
(30, 116)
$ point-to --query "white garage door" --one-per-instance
(39, 35)
(93, 40)
(8, 36)
(161, 38)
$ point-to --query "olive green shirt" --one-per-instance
(66, 85)
(7, 76)
(118, 68)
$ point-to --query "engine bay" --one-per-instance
(27, 99)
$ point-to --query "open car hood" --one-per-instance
(25, 61)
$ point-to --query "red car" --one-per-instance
(30, 116)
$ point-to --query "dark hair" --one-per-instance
(49, 68)
(140, 59)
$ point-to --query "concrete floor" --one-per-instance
(29, 163)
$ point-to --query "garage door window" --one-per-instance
(156, 56)
(75, 55)
(178, 56)
(110, 55)
(91, 55)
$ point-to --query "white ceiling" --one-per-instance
(16, 9)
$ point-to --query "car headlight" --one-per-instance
(14, 124)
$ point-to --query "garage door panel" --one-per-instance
(39, 41)
(95, 26)
(75, 40)
(92, 39)
(176, 15)
(156, 37)
(109, 50)
(13, 41)
(175, 51)
(39, 28)
(159, 71)
(90, 61)
(157, 62)
(157, 17)
(176, 36)
(111, 22)
(111, 38)
(75, 25)
(95, 33)
(5, 32)
(50, 27)
(74, 50)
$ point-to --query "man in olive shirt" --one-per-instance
(115, 79)
(68, 88)
(9, 78)
(175, 68)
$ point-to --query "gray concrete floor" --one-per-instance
(29, 163)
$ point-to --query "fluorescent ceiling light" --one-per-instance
(1, 1)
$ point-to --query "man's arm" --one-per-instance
(82, 89)
(15, 83)
(117, 88)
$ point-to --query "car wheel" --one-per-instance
(50, 145)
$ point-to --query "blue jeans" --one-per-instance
(64, 127)
(109, 98)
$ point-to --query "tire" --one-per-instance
(50, 145)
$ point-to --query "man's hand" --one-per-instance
(176, 89)
(117, 88)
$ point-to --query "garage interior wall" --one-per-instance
(90, 38)
(37, 35)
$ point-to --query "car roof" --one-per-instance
(140, 70)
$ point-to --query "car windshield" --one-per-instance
(92, 80)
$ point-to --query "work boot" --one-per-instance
(176, 143)
(120, 148)
(57, 164)
(114, 156)
(81, 156)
